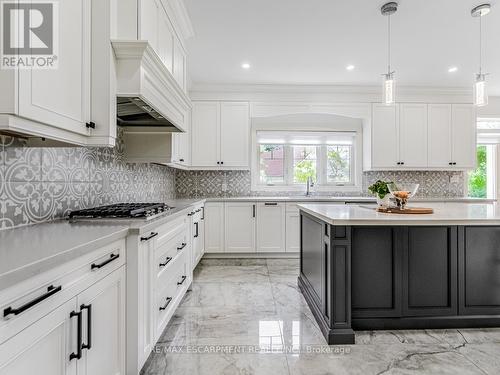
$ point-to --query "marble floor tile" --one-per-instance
(258, 307)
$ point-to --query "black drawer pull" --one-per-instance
(153, 234)
(111, 258)
(88, 345)
(167, 261)
(78, 353)
(198, 210)
(51, 290)
(183, 245)
(182, 280)
(197, 230)
(270, 204)
(164, 307)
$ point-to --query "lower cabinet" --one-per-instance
(239, 229)
(271, 227)
(404, 271)
(85, 335)
(292, 220)
(214, 227)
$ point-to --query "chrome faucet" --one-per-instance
(309, 185)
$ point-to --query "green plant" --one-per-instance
(379, 188)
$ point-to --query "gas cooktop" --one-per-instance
(123, 210)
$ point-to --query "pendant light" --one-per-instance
(480, 92)
(389, 84)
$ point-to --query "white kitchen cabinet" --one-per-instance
(463, 136)
(44, 347)
(270, 227)
(235, 134)
(103, 309)
(385, 136)
(205, 128)
(292, 228)
(220, 134)
(197, 234)
(413, 135)
(179, 61)
(214, 227)
(439, 135)
(149, 24)
(166, 42)
(239, 228)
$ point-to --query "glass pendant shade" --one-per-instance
(389, 88)
(480, 91)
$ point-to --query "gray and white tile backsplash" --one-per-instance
(197, 184)
(40, 184)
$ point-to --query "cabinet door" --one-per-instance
(149, 22)
(413, 135)
(240, 227)
(165, 40)
(292, 232)
(103, 309)
(463, 136)
(44, 347)
(205, 134)
(234, 123)
(385, 137)
(376, 272)
(214, 227)
(270, 227)
(61, 97)
(179, 63)
(430, 271)
(479, 270)
(439, 135)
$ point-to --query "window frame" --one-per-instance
(321, 184)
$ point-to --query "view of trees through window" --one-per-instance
(478, 187)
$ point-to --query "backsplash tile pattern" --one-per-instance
(196, 184)
(40, 184)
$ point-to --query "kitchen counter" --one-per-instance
(365, 270)
(318, 198)
(450, 213)
(30, 250)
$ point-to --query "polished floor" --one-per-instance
(248, 317)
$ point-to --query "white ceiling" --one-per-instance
(312, 41)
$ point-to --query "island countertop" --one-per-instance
(444, 214)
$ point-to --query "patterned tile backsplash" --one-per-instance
(196, 184)
(40, 184)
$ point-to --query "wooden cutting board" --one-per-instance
(407, 210)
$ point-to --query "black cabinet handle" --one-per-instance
(222, 162)
(147, 238)
(181, 160)
(191, 214)
(112, 257)
(164, 307)
(78, 353)
(51, 290)
(253, 210)
(90, 125)
(203, 213)
(402, 163)
(198, 210)
(183, 245)
(167, 261)
(454, 163)
(182, 280)
(270, 204)
(218, 162)
(88, 345)
(196, 225)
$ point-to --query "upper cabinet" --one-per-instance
(220, 135)
(70, 102)
(422, 136)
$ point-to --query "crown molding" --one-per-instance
(180, 17)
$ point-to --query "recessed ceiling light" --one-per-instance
(350, 67)
(245, 66)
(452, 69)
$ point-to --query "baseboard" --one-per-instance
(251, 255)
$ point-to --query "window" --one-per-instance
(481, 181)
(290, 158)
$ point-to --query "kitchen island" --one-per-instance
(364, 270)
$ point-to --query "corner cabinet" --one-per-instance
(220, 135)
(74, 103)
(416, 136)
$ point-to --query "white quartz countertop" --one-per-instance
(319, 198)
(449, 213)
(31, 250)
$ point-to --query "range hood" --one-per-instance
(148, 97)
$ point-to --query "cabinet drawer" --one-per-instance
(166, 254)
(169, 230)
(27, 302)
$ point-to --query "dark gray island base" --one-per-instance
(362, 277)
